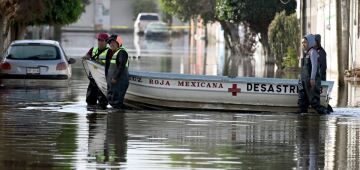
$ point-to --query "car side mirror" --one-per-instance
(71, 61)
(9, 56)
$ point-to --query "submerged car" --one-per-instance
(34, 60)
(157, 30)
(143, 19)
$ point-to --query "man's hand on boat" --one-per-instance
(86, 57)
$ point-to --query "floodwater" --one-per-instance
(52, 128)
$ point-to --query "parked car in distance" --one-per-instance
(143, 19)
(35, 59)
(157, 30)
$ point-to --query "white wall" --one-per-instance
(121, 14)
(354, 43)
(321, 19)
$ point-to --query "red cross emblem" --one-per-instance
(234, 90)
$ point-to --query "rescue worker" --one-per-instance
(322, 57)
(322, 62)
(310, 81)
(117, 74)
(94, 94)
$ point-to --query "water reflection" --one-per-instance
(107, 139)
(32, 139)
(345, 96)
(242, 67)
(310, 146)
(164, 140)
(45, 128)
(60, 132)
(353, 94)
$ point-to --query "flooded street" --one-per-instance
(52, 127)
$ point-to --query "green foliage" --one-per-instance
(284, 39)
(253, 14)
(165, 15)
(187, 9)
(144, 6)
(257, 13)
(290, 59)
(62, 12)
(37, 12)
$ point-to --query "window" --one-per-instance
(149, 17)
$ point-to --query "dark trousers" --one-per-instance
(116, 93)
(310, 96)
(94, 95)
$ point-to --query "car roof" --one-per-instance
(148, 13)
(50, 42)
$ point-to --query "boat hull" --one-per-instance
(180, 91)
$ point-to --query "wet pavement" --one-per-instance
(45, 127)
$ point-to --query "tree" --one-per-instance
(284, 38)
(144, 6)
(253, 15)
(186, 10)
(61, 13)
(17, 14)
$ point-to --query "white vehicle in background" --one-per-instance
(157, 30)
(35, 61)
(143, 19)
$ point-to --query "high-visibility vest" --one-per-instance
(102, 57)
(113, 58)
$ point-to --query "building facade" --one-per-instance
(105, 15)
(338, 23)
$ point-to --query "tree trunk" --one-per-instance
(231, 35)
(232, 40)
(264, 40)
(339, 39)
(343, 96)
(2, 34)
(303, 17)
(17, 31)
(57, 33)
(342, 28)
(345, 14)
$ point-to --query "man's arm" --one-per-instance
(122, 58)
(107, 62)
(322, 59)
(88, 54)
(314, 63)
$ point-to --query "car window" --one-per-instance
(33, 52)
(157, 26)
(149, 17)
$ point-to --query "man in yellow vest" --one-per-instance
(97, 54)
(117, 74)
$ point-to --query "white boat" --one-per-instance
(182, 91)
